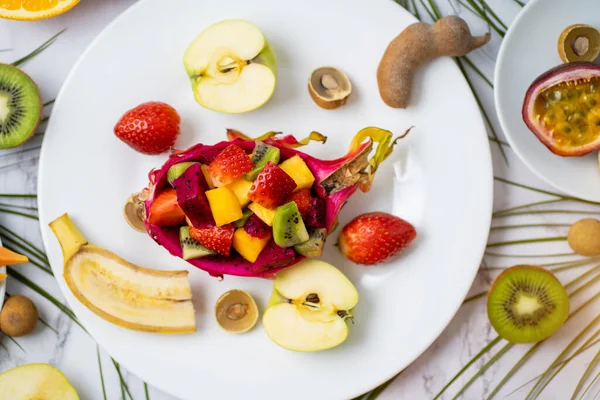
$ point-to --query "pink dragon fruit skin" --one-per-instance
(329, 187)
(255, 227)
(190, 188)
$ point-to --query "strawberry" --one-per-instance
(165, 211)
(303, 201)
(232, 163)
(149, 128)
(375, 237)
(215, 238)
(272, 186)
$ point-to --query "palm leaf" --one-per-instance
(525, 241)
(121, 380)
(515, 208)
(12, 339)
(38, 51)
(101, 373)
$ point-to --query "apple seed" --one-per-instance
(313, 298)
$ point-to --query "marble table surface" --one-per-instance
(75, 353)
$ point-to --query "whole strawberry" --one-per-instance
(150, 128)
(374, 238)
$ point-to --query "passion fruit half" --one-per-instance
(562, 108)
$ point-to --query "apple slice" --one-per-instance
(231, 66)
(309, 307)
(36, 381)
(122, 293)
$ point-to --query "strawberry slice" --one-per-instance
(272, 186)
(216, 238)
(231, 164)
(165, 211)
(376, 237)
(303, 201)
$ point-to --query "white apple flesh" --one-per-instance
(309, 307)
(231, 67)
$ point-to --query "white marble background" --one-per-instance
(74, 352)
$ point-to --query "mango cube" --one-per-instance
(299, 171)
(249, 247)
(224, 206)
(263, 213)
(240, 188)
(207, 176)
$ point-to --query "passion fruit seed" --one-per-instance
(570, 111)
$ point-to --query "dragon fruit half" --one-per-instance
(335, 181)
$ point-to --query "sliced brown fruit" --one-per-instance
(579, 42)
(36, 381)
(122, 293)
(236, 311)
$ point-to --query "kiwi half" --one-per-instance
(20, 106)
(527, 304)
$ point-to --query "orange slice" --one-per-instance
(2, 276)
(31, 10)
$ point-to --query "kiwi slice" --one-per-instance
(262, 154)
(313, 247)
(288, 227)
(246, 214)
(191, 248)
(20, 106)
(177, 170)
(527, 304)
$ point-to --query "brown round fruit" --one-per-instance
(562, 108)
(527, 304)
(584, 237)
(19, 316)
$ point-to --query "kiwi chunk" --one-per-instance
(262, 154)
(191, 248)
(527, 304)
(288, 227)
(177, 170)
(20, 106)
(313, 247)
(246, 214)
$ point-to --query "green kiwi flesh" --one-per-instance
(189, 247)
(177, 170)
(246, 214)
(288, 227)
(262, 154)
(313, 247)
(20, 106)
(527, 304)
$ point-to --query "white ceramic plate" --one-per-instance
(445, 190)
(529, 49)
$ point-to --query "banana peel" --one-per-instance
(122, 293)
